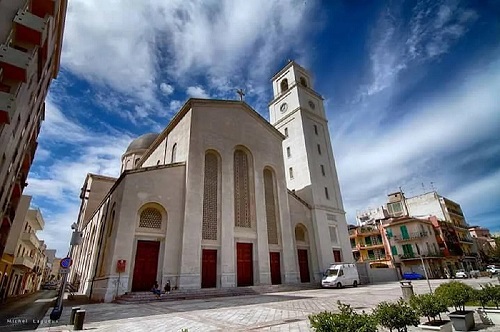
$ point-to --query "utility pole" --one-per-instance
(423, 266)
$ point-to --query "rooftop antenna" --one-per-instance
(423, 188)
(432, 186)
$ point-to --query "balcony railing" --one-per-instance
(30, 28)
(17, 65)
(429, 254)
(411, 236)
(466, 240)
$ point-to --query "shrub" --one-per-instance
(489, 294)
(455, 294)
(346, 320)
(396, 315)
(428, 305)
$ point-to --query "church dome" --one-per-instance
(142, 142)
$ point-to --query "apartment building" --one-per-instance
(432, 223)
(368, 245)
(31, 33)
(24, 252)
(432, 204)
(484, 242)
(412, 240)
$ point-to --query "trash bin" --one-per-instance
(407, 289)
(79, 318)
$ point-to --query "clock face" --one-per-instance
(284, 107)
(311, 104)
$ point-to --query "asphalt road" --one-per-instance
(26, 313)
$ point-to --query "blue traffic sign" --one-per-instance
(66, 262)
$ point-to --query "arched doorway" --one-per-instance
(152, 219)
(302, 243)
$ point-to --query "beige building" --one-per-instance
(27, 251)
(31, 34)
(411, 239)
(220, 198)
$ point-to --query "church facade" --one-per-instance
(220, 198)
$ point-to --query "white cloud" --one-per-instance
(129, 46)
(416, 148)
(196, 92)
(175, 105)
(167, 89)
(58, 180)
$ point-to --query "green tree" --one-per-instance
(396, 315)
(346, 320)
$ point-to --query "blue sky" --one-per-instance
(411, 90)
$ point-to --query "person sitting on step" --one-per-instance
(155, 290)
(167, 287)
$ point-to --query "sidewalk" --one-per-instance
(284, 311)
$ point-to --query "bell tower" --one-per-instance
(297, 111)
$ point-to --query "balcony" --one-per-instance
(35, 219)
(375, 258)
(7, 107)
(25, 262)
(30, 240)
(17, 65)
(44, 7)
(364, 231)
(410, 236)
(29, 28)
(429, 254)
(466, 240)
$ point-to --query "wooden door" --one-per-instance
(244, 264)
(208, 268)
(146, 265)
(274, 261)
(337, 257)
(303, 265)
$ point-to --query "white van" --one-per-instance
(340, 275)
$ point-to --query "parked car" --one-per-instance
(474, 273)
(461, 274)
(493, 269)
(412, 276)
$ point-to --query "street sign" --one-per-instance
(64, 271)
(66, 262)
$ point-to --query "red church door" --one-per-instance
(274, 261)
(208, 268)
(244, 264)
(146, 265)
(337, 257)
(303, 265)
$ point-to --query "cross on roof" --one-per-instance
(241, 93)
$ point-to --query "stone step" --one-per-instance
(194, 294)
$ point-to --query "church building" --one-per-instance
(220, 198)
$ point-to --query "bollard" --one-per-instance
(407, 289)
(72, 317)
(79, 318)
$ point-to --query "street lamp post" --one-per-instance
(423, 266)
(65, 264)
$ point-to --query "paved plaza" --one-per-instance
(283, 311)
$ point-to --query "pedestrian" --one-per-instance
(155, 290)
(167, 287)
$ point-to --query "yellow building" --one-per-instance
(367, 245)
